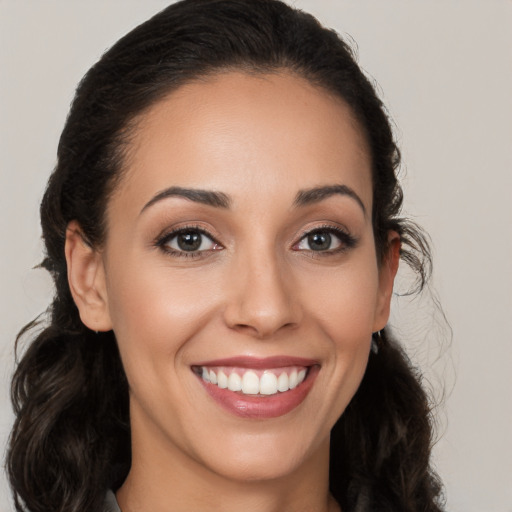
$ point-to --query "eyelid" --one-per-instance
(166, 236)
(347, 240)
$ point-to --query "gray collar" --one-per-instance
(111, 503)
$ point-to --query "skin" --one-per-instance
(260, 291)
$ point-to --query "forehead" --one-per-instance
(236, 132)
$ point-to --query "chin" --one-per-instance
(266, 457)
(260, 468)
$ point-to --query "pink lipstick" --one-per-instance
(258, 388)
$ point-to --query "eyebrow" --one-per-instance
(208, 197)
(221, 200)
(317, 194)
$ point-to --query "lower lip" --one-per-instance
(262, 407)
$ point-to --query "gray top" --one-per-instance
(111, 503)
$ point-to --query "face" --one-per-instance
(240, 274)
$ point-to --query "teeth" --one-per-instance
(268, 384)
(250, 383)
(283, 383)
(222, 380)
(234, 382)
(254, 382)
(293, 379)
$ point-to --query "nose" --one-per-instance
(262, 301)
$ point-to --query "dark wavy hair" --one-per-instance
(71, 438)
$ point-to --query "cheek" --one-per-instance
(342, 305)
(156, 310)
(343, 300)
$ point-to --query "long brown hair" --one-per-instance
(71, 438)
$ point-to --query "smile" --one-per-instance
(258, 388)
(253, 381)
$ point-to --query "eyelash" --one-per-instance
(163, 240)
(347, 241)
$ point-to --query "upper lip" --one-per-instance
(259, 362)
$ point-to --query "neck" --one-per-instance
(170, 481)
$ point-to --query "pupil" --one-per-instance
(319, 241)
(189, 241)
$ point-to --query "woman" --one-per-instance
(223, 230)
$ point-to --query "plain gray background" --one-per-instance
(444, 69)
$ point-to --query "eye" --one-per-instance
(187, 242)
(328, 239)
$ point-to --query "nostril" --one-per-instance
(261, 331)
(262, 304)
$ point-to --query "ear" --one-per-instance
(86, 277)
(387, 273)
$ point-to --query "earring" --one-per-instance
(376, 342)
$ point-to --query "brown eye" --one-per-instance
(189, 240)
(320, 240)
